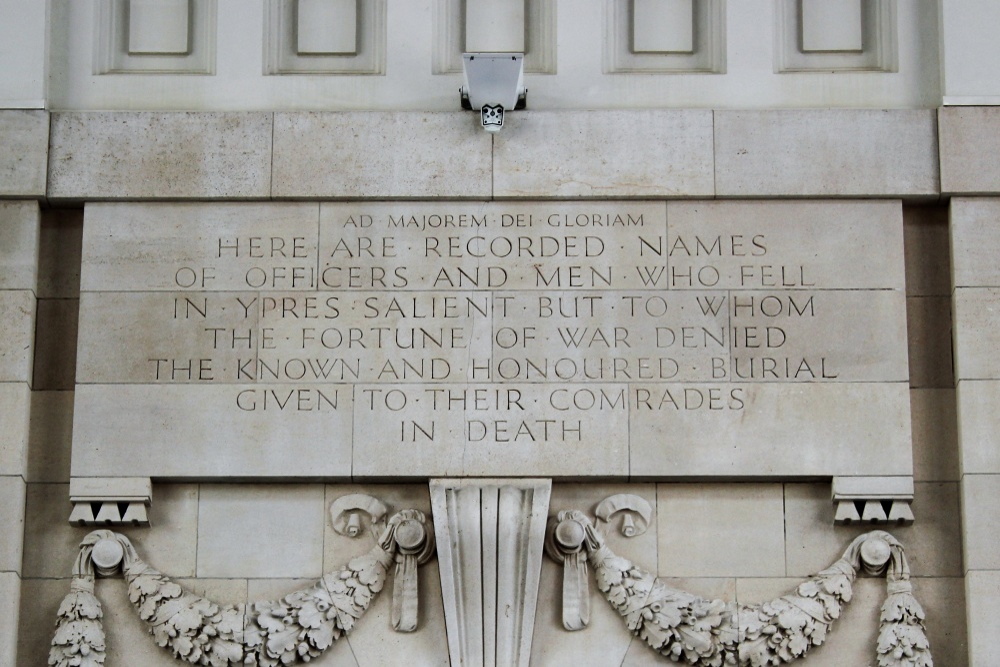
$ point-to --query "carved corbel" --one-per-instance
(873, 500)
(110, 501)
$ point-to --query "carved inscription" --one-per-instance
(548, 327)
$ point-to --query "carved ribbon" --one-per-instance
(295, 629)
(695, 631)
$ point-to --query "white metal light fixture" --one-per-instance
(494, 84)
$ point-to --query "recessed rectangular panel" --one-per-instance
(663, 26)
(831, 25)
(327, 27)
(159, 27)
(494, 26)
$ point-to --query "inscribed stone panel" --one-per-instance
(422, 339)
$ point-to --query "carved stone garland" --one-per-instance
(695, 631)
(296, 628)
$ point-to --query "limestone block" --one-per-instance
(975, 241)
(977, 419)
(926, 250)
(719, 530)
(51, 542)
(40, 600)
(10, 598)
(17, 335)
(830, 152)
(970, 144)
(980, 516)
(933, 541)
(479, 430)
(943, 600)
(786, 244)
(661, 153)
(162, 155)
(982, 593)
(935, 435)
(147, 337)
(19, 230)
(15, 401)
(50, 436)
(269, 432)
(380, 155)
(976, 333)
(223, 246)
(25, 138)
(512, 245)
(245, 531)
(11, 523)
(741, 430)
(59, 249)
(56, 344)
(928, 328)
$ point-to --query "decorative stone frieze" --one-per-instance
(297, 628)
(690, 629)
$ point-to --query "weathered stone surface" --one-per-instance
(245, 531)
(380, 155)
(770, 429)
(829, 152)
(129, 155)
(274, 434)
(198, 247)
(970, 144)
(749, 515)
(977, 419)
(982, 594)
(509, 245)
(17, 335)
(15, 398)
(55, 344)
(976, 333)
(657, 153)
(19, 230)
(980, 516)
(786, 244)
(11, 522)
(481, 430)
(59, 250)
(50, 436)
(537, 332)
(25, 138)
(10, 598)
(928, 328)
(975, 241)
(927, 250)
(935, 435)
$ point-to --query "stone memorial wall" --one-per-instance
(601, 339)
